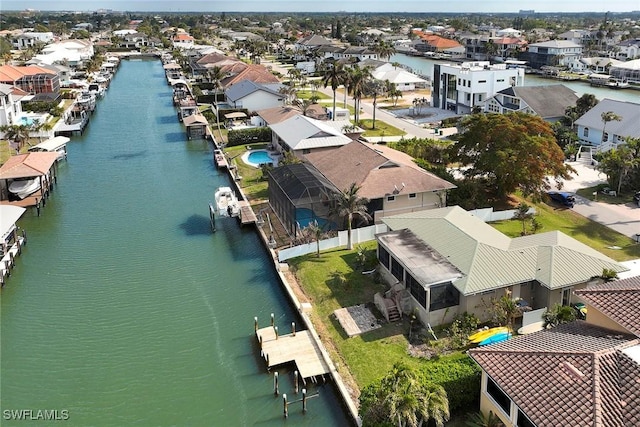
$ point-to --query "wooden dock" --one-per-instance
(299, 348)
(247, 215)
(220, 159)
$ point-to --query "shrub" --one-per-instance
(460, 377)
(249, 136)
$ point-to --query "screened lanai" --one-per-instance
(299, 195)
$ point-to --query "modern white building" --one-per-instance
(10, 107)
(460, 87)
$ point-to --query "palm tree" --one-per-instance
(358, 79)
(19, 134)
(374, 88)
(334, 76)
(557, 315)
(608, 116)
(407, 400)
(349, 204)
(522, 213)
(384, 50)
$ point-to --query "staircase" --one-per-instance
(585, 155)
(392, 311)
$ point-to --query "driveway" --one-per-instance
(624, 219)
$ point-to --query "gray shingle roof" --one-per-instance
(629, 112)
(549, 101)
(246, 87)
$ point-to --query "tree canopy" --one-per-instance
(514, 151)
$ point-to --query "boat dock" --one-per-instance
(297, 347)
(247, 215)
(220, 159)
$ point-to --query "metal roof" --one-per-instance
(490, 260)
(301, 132)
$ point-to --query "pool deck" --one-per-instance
(245, 157)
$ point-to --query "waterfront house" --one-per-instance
(301, 135)
(253, 72)
(461, 87)
(580, 373)
(560, 53)
(628, 49)
(10, 241)
(626, 71)
(31, 39)
(390, 179)
(271, 116)
(447, 261)
(254, 96)
(590, 126)
(10, 105)
(599, 65)
(426, 42)
(32, 79)
(549, 102)
(403, 79)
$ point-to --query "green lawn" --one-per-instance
(591, 233)
(252, 184)
(382, 128)
(307, 94)
(370, 355)
(620, 199)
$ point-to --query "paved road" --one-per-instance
(624, 219)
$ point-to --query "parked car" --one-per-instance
(564, 198)
(636, 198)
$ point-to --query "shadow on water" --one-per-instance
(196, 225)
(174, 136)
(128, 156)
(162, 120)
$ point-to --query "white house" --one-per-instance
(461, 87)
(549, 102)
(629, 49)
(404, 80)
(561, 53)
(592, 130)
(254, 96)
(10, 107)
(27, 40)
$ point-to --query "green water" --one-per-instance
(124, 309)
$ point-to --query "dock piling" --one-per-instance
(304, 400)
(276, 390)
(275, 328)
(255, 324)
(293, 328)
(272, 320)
(295, 381)
(286, 409)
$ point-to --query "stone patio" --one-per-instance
(356, 319)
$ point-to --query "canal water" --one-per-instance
(124, 309)
(424, 66)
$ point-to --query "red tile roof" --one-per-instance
(28, 165)
(253, 72)
(10, 73)
(572, 375)
(619, 300)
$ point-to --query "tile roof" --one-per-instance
(476, 248)
(28, 165)
(378, 170)
(572, 375)
(10, 73)
(619, 300)
(279, 114)
(253, 72)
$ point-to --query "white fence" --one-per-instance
(489, 215)
(358, 235)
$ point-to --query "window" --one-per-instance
(585, 133)
(397, 270)
(412, 195)
(306, 151)
(605, 137)
(499, 396)
(383, 256)
(391, 198)
(417, 290)
(500, 80)
(523, 420)
(566, 296)
(482, 81)
(443, 296)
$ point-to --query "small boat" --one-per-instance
(23, 187)
(495, 338)
(486, 333)
(226, 202)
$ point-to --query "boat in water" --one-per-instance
(23, 187)
(226, 202)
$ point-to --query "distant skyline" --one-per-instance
(416, 6)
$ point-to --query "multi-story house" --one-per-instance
(549, 102)
(461, 87)
(593, 131)
(29, 39)
(559, 53)
(32, 79)
(628, 49)
(10, 107)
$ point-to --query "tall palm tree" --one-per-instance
(358, 80)
(334, 76)
(384, 50)
(19, 134)
(375, 88)
(349, 204)
(608, 116)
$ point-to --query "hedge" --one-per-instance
(460, 377)
(249, 136)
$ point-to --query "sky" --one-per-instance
(483, 6)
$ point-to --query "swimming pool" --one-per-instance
(306, 216)
(256, 158)
(26, 121)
